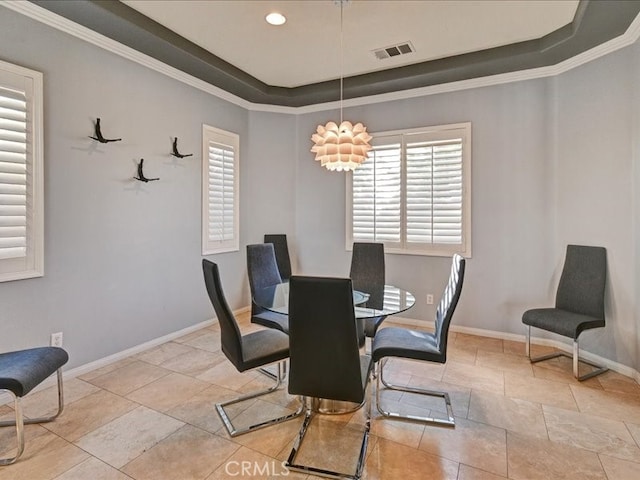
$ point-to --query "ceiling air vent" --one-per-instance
(394, 50)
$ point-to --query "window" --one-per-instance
(21, 174)
(413, 193)
(219, 191)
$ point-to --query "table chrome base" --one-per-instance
(333, 407)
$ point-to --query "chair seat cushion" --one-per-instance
(271, 320)
(263, 347)
(371, 325)
(23, 370)
(406, 343)
(559, 321)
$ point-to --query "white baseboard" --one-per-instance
(393, 320)
(560, 345)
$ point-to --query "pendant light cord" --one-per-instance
(341, 56)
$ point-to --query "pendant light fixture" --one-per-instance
(346, 146)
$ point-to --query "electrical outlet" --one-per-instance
(429, 300)
(56, 339)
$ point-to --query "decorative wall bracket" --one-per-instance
(175, 151)
(141, 176)
(98, 135)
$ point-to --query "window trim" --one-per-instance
(437, 250)
(209, 247)
(35, 155)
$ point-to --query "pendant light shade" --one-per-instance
(341, 148)
(345, 147)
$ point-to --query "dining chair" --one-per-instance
(246, 352)
(579, 304)
(281, 248)
(20, 372)
(419, 345)
(263, 272)
(368, 275)
(325, 361)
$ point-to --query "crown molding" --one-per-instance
(70, 27)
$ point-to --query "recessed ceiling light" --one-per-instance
(275, 18)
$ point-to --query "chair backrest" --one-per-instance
(230, 336)
(262, 269)
(582, 283)
(449, 301)
(281, 247)
(323, 343)
(368, 271)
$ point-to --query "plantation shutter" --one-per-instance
(220, 195)
(21, 224)
(377, 194)
(434, 192)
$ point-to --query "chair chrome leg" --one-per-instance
(233, 431)
(575, 361)
(20, 421)
(448, 422)
(320, 471)
(528, 342)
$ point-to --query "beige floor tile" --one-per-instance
(617, 469)
(200, 410)
(45, 457)
(482, 343)
(560, 369)
(509, 413)
(388, 460)
(192, 336)
(268, 441)
(168, 392)
(459, 397)
(469, 473)
(614, 382)
(164, 352)
(474, 377)
(472, 443)
(123, 439)
(462, 354)
(195, 362)
(635, 431)
(398, 431)
(45, 402)
(537, 459)
(247, 463)
(514, 347)
(225, 375)
(89, 413)
(506, 362)
(129, 377)
(93, 469)
(106, 369)
(209, 341)
(187, 454)
(8, 439)
(415, 368)
(538, 390)
(590, 432)
(618, 406)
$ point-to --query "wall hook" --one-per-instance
(98, 135)
(176, 153)
(141, 176)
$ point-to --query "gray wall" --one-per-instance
(554, 161)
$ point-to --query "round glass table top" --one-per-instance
(388, 300)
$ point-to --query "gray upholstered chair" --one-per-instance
(246, 352)
(20, 372)
(579, 304)
(368, 276)
(281, 248)
(325, 361)
(263, 272)
(418, 345)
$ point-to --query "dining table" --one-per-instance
(384, 300)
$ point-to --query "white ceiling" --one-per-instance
(306, 49)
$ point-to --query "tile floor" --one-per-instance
(152, 417)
